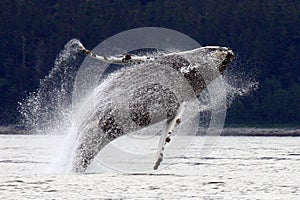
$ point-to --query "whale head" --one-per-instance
(223, 56)
(200, 66)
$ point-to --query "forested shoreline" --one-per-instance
(264, 34)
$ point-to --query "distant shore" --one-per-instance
(276, 132)
(13, 130)
(244, 131)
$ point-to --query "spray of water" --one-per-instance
(48, 109)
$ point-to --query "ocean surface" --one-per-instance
(236, 168)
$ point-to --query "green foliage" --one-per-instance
(264, 33)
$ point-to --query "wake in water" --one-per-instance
(49, 110)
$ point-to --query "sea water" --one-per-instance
(236, 168)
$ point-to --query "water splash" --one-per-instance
(238, 81)
(48, 109)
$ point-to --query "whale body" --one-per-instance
(129, 99)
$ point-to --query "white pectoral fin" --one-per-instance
(165, 137)
(127, 59)
(83, 49)
(120, 60)
(111, 59)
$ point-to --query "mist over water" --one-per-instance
(240, 82)
(50, 109)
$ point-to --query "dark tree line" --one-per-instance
(265, 35)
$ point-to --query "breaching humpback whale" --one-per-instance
(110, 122)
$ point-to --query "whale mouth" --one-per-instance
(226, 62)
(224, 56)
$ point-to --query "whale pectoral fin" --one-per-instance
(166, 135)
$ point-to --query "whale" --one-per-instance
(129, 100)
